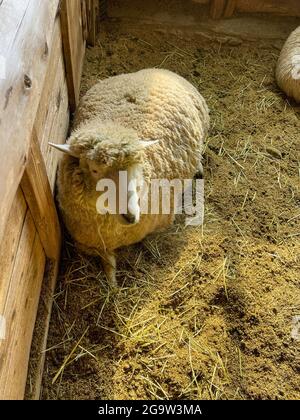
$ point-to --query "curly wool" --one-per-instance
(106, 143)
(149, 104)
(288, 66)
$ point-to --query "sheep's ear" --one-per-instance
(65, 148)
(149, 143)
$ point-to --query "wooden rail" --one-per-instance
(226, 8)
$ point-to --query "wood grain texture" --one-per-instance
(282, 7)
(229, 8)
(217, 8)
(92, 7)
(39, 343)
(10, 243)
(51, 124)
(74, 46)
(24, 50)
(38, 194)
(52, 119)
(19, 309)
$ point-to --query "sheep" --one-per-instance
(150, 124)
(288, 66)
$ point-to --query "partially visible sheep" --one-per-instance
(288, 66)
(151, 124)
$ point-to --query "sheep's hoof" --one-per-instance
(130, 218)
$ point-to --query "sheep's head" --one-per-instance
(105, 148)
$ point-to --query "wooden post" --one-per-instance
(92, 18)
(38, 194)
(217, 8)
(19, 302)
(74, 46)
(230, 7)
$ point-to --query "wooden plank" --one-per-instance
(74, 47)
(52, 120)
(38, 195)
(217, 8)
(92, 21)
(51, 123)
(282, 7)
(230, 7)
(103, 9)
(19, 311)
(39, 342)
(10, 243)
(26, 37)
(84, 19)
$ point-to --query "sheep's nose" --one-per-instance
(130, 218)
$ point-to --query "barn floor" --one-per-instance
(203, 312)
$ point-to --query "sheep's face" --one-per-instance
(105, 150)
(97, 170)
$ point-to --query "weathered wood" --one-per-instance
(103, 9)
(34, 110)
(51, 123)
(217, 8)
(19, 309)
(38, 194)
(92, 20)
(20, 88)
(283, 7)
(229, 9)
(84, 19)
(74, 46)
(39, 343)
(10, 243)
(52, 120)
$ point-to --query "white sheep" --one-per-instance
(288, 66)
(152, 124)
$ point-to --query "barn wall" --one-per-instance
(40, 85)
(23, 259)
(52, 118)
(22, 251)
(279, 7)
(157, 10)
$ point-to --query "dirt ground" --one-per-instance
(202, 312)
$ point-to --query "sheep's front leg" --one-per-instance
(109, 264)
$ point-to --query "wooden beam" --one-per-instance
(26, 37)
(74, 46)
(9, 244)
(51, 125)
(38, 195)
(92, 20)
(19, 309)
(280, 7)
(52, 119)
(217, 8)
(84, 19)
(230, 7)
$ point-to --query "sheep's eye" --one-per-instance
(94, 171)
